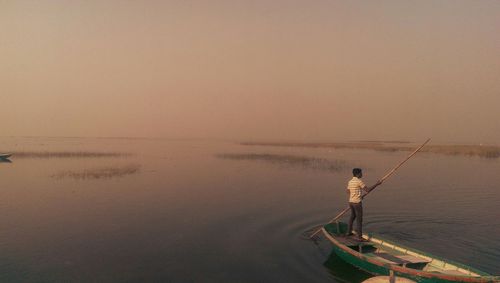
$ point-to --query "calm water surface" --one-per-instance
(184, 214)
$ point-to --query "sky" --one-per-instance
(252, 70)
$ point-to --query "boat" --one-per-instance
(381, 257)
(5, 155)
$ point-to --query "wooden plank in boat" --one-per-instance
(391, 258)
(453, 272)
(383, 259)
(413, 259)
(385, 279)
(351, 242)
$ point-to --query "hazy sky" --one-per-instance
(294, 70)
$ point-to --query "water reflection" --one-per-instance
(231, 218)
(290, 160)
(5, 160)
(344, 272)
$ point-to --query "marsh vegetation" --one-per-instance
(99, 173)
(66, 154)
(486, 151)
(289, 160)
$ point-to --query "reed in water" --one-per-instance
(289, 160)
(99, 173)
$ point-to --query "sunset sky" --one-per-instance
(252, 70)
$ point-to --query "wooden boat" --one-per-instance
(381, 257)
(5, 155)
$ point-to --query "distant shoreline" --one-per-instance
(66, 154)
(486, 151)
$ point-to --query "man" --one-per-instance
(356, 189)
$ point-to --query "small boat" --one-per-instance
(5, 155)
(381, 257)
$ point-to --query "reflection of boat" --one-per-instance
(342, 271)
(5, 155)
(381, 257)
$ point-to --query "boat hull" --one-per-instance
(376, 267)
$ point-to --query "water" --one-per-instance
(187, 214)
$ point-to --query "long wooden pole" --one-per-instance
(380, 182)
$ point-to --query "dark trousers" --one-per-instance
(356, 213)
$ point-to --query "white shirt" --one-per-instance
(355, 187)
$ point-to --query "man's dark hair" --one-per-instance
(356, 171)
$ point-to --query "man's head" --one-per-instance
(357, 172)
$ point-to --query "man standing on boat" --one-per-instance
(356, 189)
